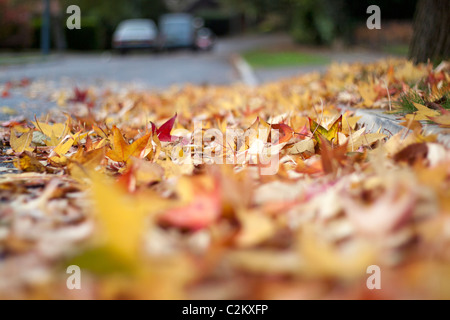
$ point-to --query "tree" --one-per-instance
(431, 38)
(178, 5)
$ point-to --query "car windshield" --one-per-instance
(135, 31)
(137, 24)
(175, 28)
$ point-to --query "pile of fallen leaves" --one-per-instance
(100, 184)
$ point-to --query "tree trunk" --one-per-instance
(59, 36)
(431, 38)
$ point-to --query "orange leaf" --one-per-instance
(285, 132)
(200, 212)
(122, 151)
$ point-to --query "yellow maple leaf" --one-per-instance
(83, 162)
(63, 147)
(122, 151)
(77, 137)
(123, 222)
(368, 93)
(360, 138)
(331, 135)
(442, 121)
(349, 123)
(256, 228)
(422, 113)
(55, 132)
(28, 163)
(22, 143)
(324, 259)
(123, 218)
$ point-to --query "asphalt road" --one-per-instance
(155, 70)
(158, 70)
(139, 69)
(143, 70)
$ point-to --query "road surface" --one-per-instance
(144, 70)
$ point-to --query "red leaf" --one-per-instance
(153, 127)
(201, 212)
(79, 95)
(24, 82)
(285, 131)
(13, 122)
(163, 132)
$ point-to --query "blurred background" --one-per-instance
(277, 39)
(318, 22)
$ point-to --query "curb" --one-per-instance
(244, 70)
(11, 61)
(375, 119)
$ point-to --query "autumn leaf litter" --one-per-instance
(98, 184)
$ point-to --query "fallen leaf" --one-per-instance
(391, 209)
(63, 147)
(323, 259)
(202, 209)
(163, 132)
(306, 145)
(255, 228)
(28, 163)
(422, 113)
(330, 135)
(368, 93)
(122, 151)
(8, 110)
(22, 143)
(360, 138)
(285, 133)
(412, 153)
(443, 121)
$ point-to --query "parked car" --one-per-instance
(178, 30)
(205, 39)
(136, 34)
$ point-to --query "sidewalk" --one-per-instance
(376, 118)
(17, 59)
(372, 118)
(264, 74)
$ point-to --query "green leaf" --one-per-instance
(102, 261)
(331, 135)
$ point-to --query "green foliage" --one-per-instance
(279, 59)
(406, 100)
(398, 50)
(318, 21)
(109, 12)
(102, 262)
(86, 38)
(103, 16)
(218, 21)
